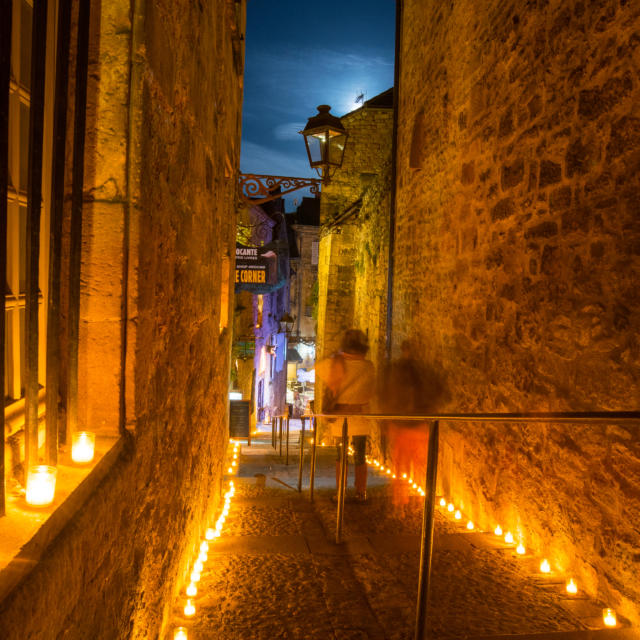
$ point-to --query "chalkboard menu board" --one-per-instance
(239, 419)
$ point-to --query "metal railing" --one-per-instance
(280, 427)
(426, 543)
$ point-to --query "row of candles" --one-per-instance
(609, 617)
(41, 478)
(210, 536)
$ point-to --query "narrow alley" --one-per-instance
(276, 571)
(415, 222)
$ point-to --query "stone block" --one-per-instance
(513, 174)
(550, 173)
(504, 209)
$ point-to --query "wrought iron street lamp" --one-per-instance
(325, 139)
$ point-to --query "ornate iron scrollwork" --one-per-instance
(258, 189)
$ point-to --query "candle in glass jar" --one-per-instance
(83, 444)
(41, 485)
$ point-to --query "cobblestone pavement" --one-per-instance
(276, 572)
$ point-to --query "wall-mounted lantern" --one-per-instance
(325, 139)
(286, 323)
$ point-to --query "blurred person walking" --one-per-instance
(349, 380)
(409, 388)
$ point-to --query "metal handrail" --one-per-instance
(559, 416)
(426, 543)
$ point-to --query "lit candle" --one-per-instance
(195, 576)
(520, 549)
(229, 470)
(203, 556)
(189, 608)
(450, 507)
(404, 476)
(545, 567)
(443, 502)
(388, 472)
(498, 530)
(508, 537)
(394, 476)
(209, 534)
(83, 444)
(180, 633)
(458, 515)
(204, 546)
(609, 618)
(192, 590)
(41, 485)
(572, 587)
(198, 566)
(470, 525)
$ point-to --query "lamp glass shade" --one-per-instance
(316, 145)
(336, 149)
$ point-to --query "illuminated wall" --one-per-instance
(163, 137)
(517, 262)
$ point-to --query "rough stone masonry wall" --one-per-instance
(372, 264)
(114, 569)
(519, 184)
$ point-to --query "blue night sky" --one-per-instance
(300, 54)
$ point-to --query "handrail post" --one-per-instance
(280, 433)
(302, 419)
(286, 419)
(273, 433)
(342, 485)
(426, 546)
(312, 472)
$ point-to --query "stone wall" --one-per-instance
(518, 162)
(372, 265)
(114, 570)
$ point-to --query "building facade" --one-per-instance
(354, 238)
(130, 293)
(265, 228)
(305, 245)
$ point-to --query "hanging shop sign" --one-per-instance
(251, 266)
(258, 269)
